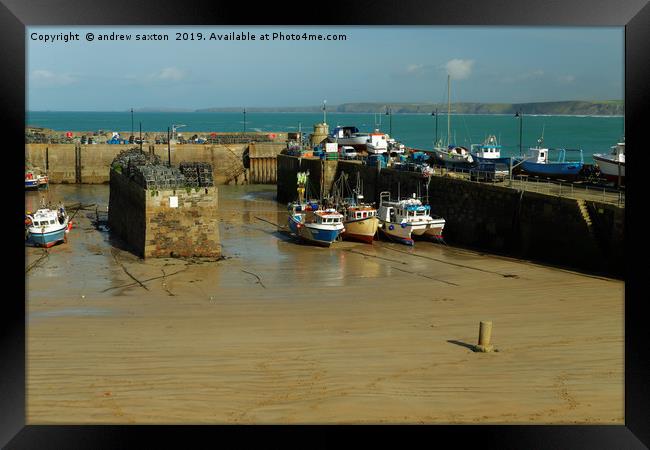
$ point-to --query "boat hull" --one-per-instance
(395, 232)
(501, 160)
(567, 171)
(313, 233)
(363, 230)
(47, 239)
(443, 159)
(31, 184)
(610, 168)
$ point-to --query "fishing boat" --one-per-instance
(31, 180)
(488, 151)
(612, 165)
(349, 136)
(377, 143)
(456, 157)
(537, 163)
(320, 227)
(359, 219)
(308, 222)
(34, 180)
(401, 220)
(42, 181)
(47, 227)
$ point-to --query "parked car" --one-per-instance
(348, 152)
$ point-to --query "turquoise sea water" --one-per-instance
(591, 134)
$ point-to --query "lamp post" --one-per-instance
(389, 113)
(244, 120)
(435, 113)
(132, 129)
(324, 112)
(520, 115)
(169, 151)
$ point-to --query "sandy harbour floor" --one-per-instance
(280, 332)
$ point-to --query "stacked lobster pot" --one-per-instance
(197, 174)
(146, 170)
(159, 177)
(190, 173)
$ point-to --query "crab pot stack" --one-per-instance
(205, 174)
(190, 173)
(128, 160)
(159, 177)
(197, 174)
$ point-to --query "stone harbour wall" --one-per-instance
(164, 223)
(493, 218)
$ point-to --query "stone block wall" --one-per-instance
(153, 227)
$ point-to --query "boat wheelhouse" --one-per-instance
(488, 151)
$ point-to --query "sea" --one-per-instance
(591, 134)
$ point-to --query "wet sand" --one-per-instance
(286, 333)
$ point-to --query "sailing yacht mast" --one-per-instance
(448, 107)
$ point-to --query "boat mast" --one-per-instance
(448, 108)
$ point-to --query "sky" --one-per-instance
(373, 64)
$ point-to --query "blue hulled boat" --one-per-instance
(308, 222)
(320, 227)
(489, 151)
(537, 163)
(47, 226)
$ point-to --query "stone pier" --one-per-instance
(180, 222)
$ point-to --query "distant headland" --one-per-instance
(573, 107)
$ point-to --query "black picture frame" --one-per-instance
(634, 15)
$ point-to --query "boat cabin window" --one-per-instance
(36, 223)
(51, 222)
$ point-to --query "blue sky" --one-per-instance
(374, 64)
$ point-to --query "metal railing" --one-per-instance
(570, 190)
(578, 191)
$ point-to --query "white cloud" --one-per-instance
(459, 68)
(171, 74)
(42, 77)
(413, 68)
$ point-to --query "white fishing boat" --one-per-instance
(47, 227)
(401, 220)
(349, 136)
(377, 143)
(612, 165)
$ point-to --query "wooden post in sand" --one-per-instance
(484, 337)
